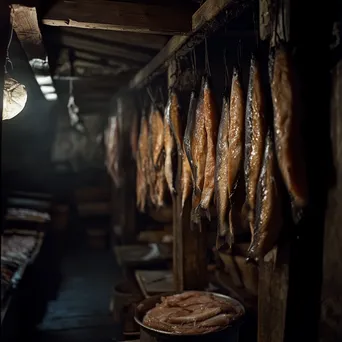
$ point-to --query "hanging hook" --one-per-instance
(8, 60)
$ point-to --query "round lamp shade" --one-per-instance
(15, 97)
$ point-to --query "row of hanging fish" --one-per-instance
(258, 152)
(239, 160)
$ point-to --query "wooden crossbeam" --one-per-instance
(25, 25)
(211, 15)
(121, 16)
(111, 50)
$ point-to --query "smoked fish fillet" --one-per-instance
(221, 175)
(143, 155)
(176, 122)
(190, 123)
(236, 132)
(169, 146)
(198, 152)
(211, 127)
(288, 139)
(186, 179)
(268, 215)
(255, 135)
(156, 137)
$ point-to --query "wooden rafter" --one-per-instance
(132, 39)
(121, 16)
(99, 47)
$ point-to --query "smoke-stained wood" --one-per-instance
(25, 24)
(120, 16)
(133, 39)
(331, 305)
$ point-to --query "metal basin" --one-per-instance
(229, 333)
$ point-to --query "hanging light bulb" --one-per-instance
(15, 94)
(15, 97)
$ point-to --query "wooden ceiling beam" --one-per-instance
(121, 16)
(110, 50)
(151, 41)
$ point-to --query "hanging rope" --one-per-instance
(207, 64)
(226, 76)
(8, 60)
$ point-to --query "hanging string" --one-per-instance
(226, 75)
(161, 98)
(149, 91)
(207, 64)
(239, 54)
(256, 29)
(194, 67)
(283, 21)
(8, 60)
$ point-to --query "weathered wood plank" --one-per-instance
(120, 16)
(216, 14)
(150, 41)
(25, 25)
(265, 19)
(99, 47)
(331, 301)
(272, 298)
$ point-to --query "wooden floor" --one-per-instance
(81, 309)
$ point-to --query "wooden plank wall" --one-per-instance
(331, 305)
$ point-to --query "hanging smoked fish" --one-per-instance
(221, 175)
(268, 214)
(160, 187)
(236, 132)
(190, 123)
(255, 134)
(143, 154)
(187, 179)
(156, 136)
(288, 143)
(235, 147)
(176, 122)
(198, 152)
(211, 127)
(169, 146)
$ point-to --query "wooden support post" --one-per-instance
(274, 269)
(189, 246)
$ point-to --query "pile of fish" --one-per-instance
(239, 161)
(192, 313)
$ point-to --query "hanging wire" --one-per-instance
(8, 60)
(149, 91)
(283, 21)
(207, 64)
(256, 29)
(239, 54)
(226, 75)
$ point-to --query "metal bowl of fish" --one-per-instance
(193, 314)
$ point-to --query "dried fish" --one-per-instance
(198, 152)
(142, 164)
(176, 122)
(221, 174)
(169, 146)
(268, 218)
(255, 135)
(288, 139)
(156, 137)
(235, 147)
(186, 180)
(211, 127)
(236, 132)
(189, 129)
